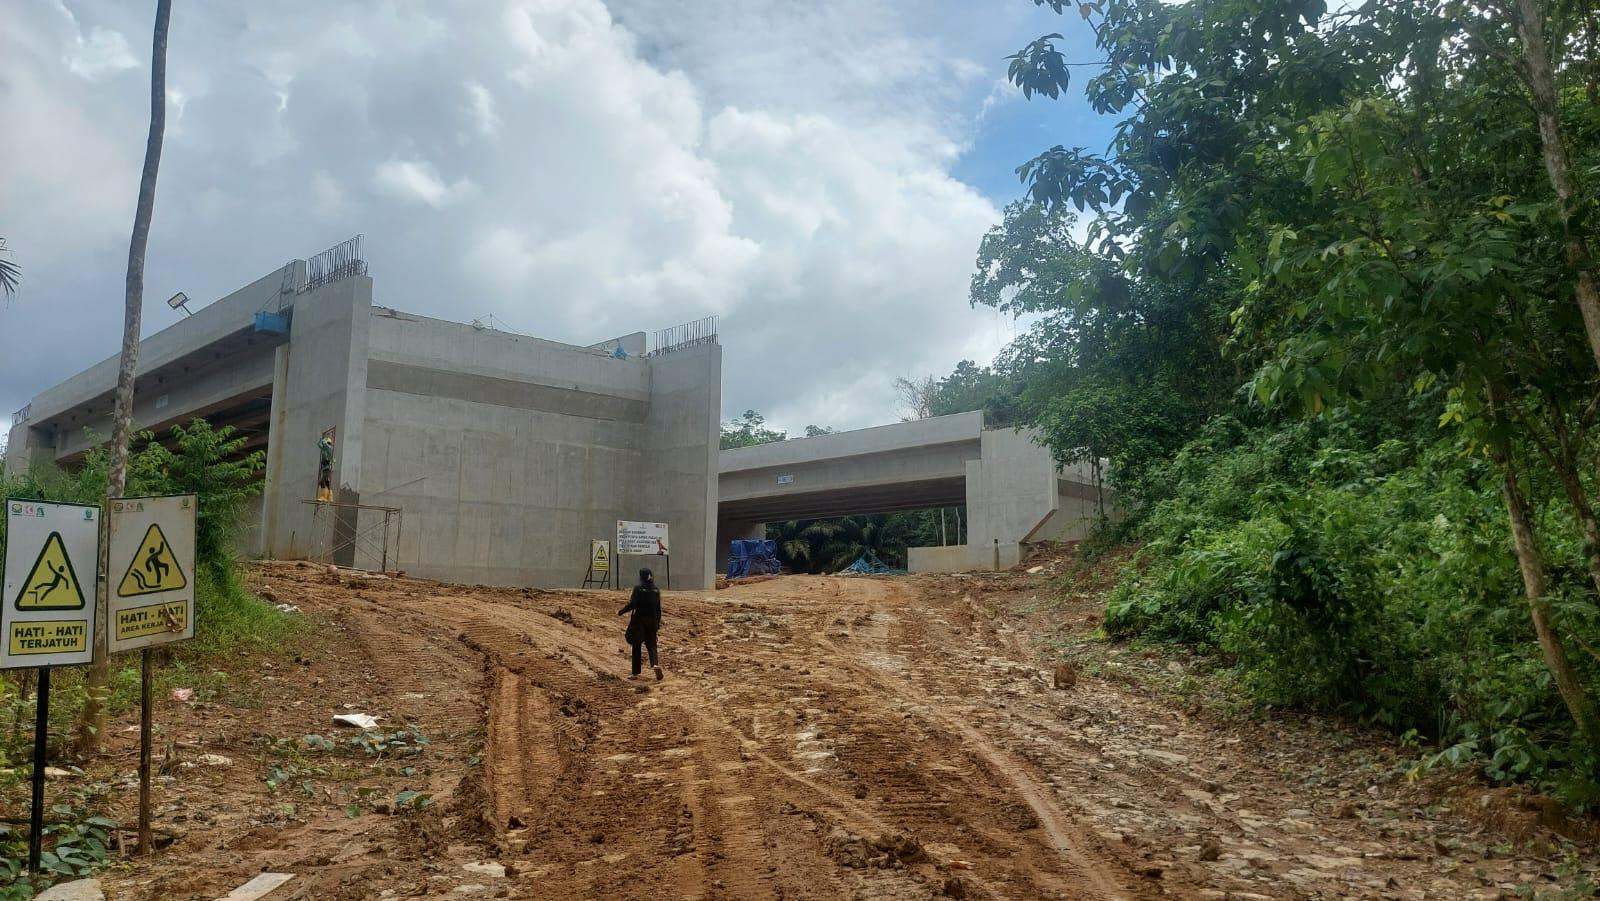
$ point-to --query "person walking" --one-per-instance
(645, 605)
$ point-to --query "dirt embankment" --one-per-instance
(815, 738)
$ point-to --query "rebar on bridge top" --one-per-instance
(680, 337)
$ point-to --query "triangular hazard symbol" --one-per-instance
(153, 568)
(599, 552)
(52, 584)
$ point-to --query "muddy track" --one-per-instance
(815, 738)
(720, 783)
(773, 763)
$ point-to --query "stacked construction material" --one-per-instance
(868, 564)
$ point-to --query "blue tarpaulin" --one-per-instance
(752, 557)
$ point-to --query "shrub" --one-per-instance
(1342, 570)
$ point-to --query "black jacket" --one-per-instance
(645, 604)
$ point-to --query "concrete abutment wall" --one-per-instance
(506, 454)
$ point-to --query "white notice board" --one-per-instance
(642, 539)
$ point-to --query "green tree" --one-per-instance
(1358, 193)
(749, 430)
(830, 545)
(194, 459)
(972, 387)
(1119, 367)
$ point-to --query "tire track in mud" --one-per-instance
(521, 760)
(602, 788)
(542, 671)
(727, 813)
(808, 727)
(1083, 871)
(893, 776)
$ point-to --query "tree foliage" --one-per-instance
(830, 545)
(1326, 313)
(10, 273)
(749, 430)
(194, 459)
(972, 387)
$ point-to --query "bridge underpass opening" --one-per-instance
(752, 518)
(928, 494)
(1010, 490)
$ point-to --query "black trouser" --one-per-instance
(643, 633)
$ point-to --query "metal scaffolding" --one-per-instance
(338, 528)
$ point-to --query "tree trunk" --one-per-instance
(1562, 455)
(92, 721)
(1541, 81)
(1582, 511)
(1531, 563)
(1591, 32)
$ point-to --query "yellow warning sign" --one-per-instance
(151, 619)
(51, 584)
(153, 568)
(46, 636)
(600, 555)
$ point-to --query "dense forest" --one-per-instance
(1328, 307)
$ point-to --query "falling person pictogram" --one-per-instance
(58, 578)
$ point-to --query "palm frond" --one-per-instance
(10, 274)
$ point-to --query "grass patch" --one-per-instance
(231, 624)
(231, 620)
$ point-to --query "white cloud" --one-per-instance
(577, 168)
(103, 53)
(417, 181)
(483, 109)
(1001, 92)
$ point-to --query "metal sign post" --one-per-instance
(48, 602)
(152, 542)
(41, 734)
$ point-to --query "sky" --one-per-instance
(817, 174)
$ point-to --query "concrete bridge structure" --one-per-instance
(501, 455)
(505, 454)
(1013, 491)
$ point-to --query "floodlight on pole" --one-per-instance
(177, 302)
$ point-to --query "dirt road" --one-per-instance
(815, 738)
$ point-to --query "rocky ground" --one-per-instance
(815, 738)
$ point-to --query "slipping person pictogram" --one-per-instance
(153, 569)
